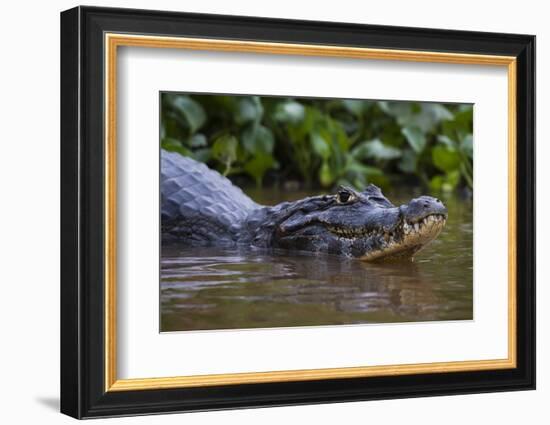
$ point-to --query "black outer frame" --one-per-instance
(82, 218)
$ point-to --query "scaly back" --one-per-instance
(199, 204)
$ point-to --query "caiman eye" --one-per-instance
(344, 196)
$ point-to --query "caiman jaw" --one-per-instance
(409, 238)
(404, 240)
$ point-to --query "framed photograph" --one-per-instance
(261, 212)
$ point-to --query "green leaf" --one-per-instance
(464, 117)
(265, 140)
(375, 149)
(409, 160)
(258, 139)
(440, 112)
(467, 174)
(357, 107)
(467, 146)
(326, 177)
(197, 141)
(249, 109)
(289, 112)
(445, 159)
(191, 110)
(415, 137)
(173, 145)
(436, 183)
(320, 144)
(224, 150)
(425, 116)
(445, 183)
(339, 134)
(301, 132)
(453, 178)
(365, 170)
(202, 155)
(461, 125)
(447, 141)
(399, 110)
(416, 108)
(258, 166)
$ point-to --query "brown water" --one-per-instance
(214, 288)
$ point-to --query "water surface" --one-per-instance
(216, 288)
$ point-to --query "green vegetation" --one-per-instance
(323, 142)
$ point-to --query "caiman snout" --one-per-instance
(422, 207)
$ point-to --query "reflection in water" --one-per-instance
(216, 288)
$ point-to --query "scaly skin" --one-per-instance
(201, 207)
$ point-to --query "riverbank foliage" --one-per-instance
(323, 142)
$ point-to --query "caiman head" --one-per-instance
(363, 225)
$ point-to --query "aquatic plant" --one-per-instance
(323, 142)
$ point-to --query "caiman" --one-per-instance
(201, 207)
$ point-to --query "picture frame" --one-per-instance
(90, 40)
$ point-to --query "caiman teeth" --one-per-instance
(428, 222)
(361, 233)
(424, 227)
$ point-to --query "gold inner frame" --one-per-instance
(113, 41)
